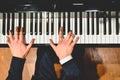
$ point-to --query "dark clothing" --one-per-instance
(44, 69)
(16, 68)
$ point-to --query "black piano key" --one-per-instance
(109, 22)
(80, 23)
(31, 24)
(47, 29)
(13, 21)
(20, 15)
(40, 27)
(97, 23)
(52, 24)
(104, 21)
(68, 21)
(8, 23)
(24, 23)
(88, 26)
(36, 18)
(4, 22)
(93, 23)
(75, 23)
(64, 23)
(117, 22)
(59, 24)
(59, 21)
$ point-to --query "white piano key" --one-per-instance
(38, 28)
(61, 19)
(4, 37)
(50, 15)
(40, 36)
(47, 36)
(112, 30)
(90, 27)
(99, 37)
(103, 37)
(31, 36)
(73, 22)
(78, 26)
(6, 23)
(66, 23)
(1, 27)
(82, 40)
(107, 32)
(78, 23)
(22, 19)
(55, 27)
(27, 27)
(16, 21)
(86, 38)
(113, 24)
(34, 36)
(44, 24)
(10, 21)
(94, 37)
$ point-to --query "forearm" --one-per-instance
(70, 71)
(16, 69)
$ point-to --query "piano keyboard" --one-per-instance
(102, 27)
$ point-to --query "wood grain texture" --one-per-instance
(5, 59)
(102, 63)
(98, 64)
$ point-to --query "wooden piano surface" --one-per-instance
(99, 63)
(102, 63)
(5, 58)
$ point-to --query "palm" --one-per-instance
(65, 45)
(17, 44)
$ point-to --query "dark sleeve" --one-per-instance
(70, 71)
(16, 69)
(44, 68)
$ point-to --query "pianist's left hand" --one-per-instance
(17, 45)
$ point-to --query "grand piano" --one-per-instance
(97, 22)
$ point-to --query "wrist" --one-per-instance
(66, 59)
(18, 56)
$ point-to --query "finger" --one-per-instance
(74, 42)
(71, 38)
(21, 36)
(69, 35)
(30, 44)
(11, 36)
(52, 44)
(8, 41)
(60, 34)
(16, 34)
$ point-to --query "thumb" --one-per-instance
(8, 41)
(30, 44)
(52, 44)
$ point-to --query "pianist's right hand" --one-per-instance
(17, 45)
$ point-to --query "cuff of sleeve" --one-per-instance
(66, 59)
(17, 63)
(16, 68)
